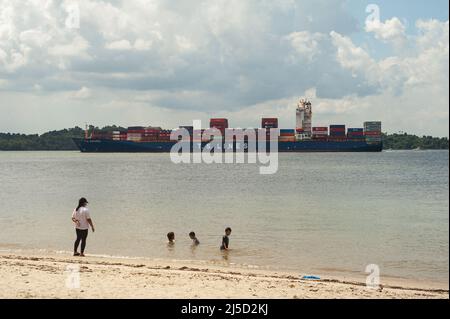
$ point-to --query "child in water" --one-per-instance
(171, 238)
(195, 241)
(225, 239)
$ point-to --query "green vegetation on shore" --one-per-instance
(62, 140)
(406, 141)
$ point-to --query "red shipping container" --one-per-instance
(372, 133)
(269, 122)
(355, 133)
(221, 122)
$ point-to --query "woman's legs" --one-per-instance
(77, 241)
(84, 235)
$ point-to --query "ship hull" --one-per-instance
(111, 146)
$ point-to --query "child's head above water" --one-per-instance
(171, 236)
(192, 235)
(228, 231)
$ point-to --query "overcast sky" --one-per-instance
(167, 62)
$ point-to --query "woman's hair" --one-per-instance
(81, 203)
(191, 234)
(171, 235)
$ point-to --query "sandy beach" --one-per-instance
(51, 276)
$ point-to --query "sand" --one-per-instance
(55, 276)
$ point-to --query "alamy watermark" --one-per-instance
(373, 279)
(374, 13)
(73, 276)
(73, 16)
(237, 146)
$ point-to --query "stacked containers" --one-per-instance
(221, 124)
(355, 133)
(320, 133)
(151, 134)
(372, 131)
(135, 133)
(269, 122)
(287, 135)
(337, 132)
(164, 135)
(102, 135)
(119, 136)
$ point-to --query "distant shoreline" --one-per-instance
(78, 151)
(45, 276)
(62, 141)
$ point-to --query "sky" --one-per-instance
(167, 63)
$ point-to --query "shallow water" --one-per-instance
(322, 212)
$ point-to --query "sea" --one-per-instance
(320, 213)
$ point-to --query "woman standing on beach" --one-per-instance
(82, 220)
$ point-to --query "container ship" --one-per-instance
(303, 138)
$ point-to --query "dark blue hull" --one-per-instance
(111, 146)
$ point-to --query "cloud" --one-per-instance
(390, 31)
(83, 93)
(306, 43)
(119, 45)
(234, 58)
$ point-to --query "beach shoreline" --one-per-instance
(50, 275)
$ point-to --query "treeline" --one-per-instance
(404, 141)
(62, 140)
(51, 141)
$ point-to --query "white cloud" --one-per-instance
(77, 47)
(237, 58)
(306, 43)
(81, 94)
(414, 91)
(392, 30)
(119, 45)
(350, 56)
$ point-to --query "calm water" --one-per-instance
(320, 212)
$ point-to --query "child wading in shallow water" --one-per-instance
(195, 241)
(226, 239)
(171, 238)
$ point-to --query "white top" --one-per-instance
(82, 215)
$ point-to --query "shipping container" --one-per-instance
(286, 139)
(218, 123)
(352, 129)
(373, 133)
(269, 122)
(372, 126)
(319, 137)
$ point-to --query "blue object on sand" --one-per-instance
(311, 277)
